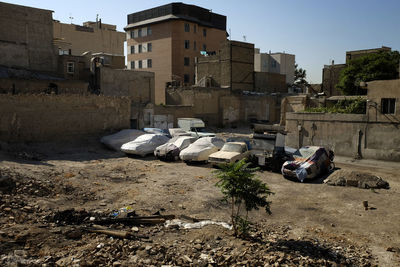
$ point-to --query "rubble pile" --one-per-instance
(356, 179)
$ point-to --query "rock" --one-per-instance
(198, 246)
(135, 229)
(101, 245)
(117, 263)
(187, 259)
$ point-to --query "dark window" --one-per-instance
(187, 44)
(149, 63)
(140, 48)
(186, 61)
(204, 32)
(194, 45)
(139, 33)
(204, 47)
(132, 34)
(140, 64)
(186, 78)
(194, 28)
(149, 47)
(149, 31)
(388, 105)
(273, 63)
(70, 67)
(132, 49)
(187, 27)
(132, 65)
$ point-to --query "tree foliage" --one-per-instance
(242, 189)
(300, 76)
(375, 66)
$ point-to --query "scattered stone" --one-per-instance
(356, 179)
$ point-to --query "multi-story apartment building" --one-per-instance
(167, 39)
(281, 63)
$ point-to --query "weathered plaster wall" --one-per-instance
(26, 38)
(39, 118)
(346, 134)
(137, 85)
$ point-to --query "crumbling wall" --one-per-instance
(352, 135)
(269, 82)
(39, 118)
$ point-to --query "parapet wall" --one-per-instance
(41, 118)
(351, 135)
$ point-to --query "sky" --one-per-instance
(315, 31)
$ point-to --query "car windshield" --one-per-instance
(199, 129)
(263, 144)
(232, 148)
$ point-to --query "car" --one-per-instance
(144, 144)
(201, 149)
(308, 162)
(171, 149)
(229, 153)
(115, 141)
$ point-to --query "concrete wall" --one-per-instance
(24, 86)
(346, 134)
(268, 82)
(136, 85)
(281, 63)
(26, 38)
(292, 104)
(330, 78)
(39, 118)
(376, 90)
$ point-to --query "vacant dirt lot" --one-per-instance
(311, 223)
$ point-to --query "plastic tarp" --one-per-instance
(201, 149)
(115, 141)
(144, 144)
(174, 146)
(196, 225)
(309, 162)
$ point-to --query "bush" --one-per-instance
(356, 106)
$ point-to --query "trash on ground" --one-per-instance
(196, 225)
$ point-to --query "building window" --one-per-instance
(132, 34)
(194, 45)
(204, 47)
(187, 27)
(140, 48)
(204, 32)
(71, 67)
(187, 44)
(388, 105)
(149, 63)
(149, 31)
(186, 78)
(186, 61)
(132, 49)
(273, 63)
(149, 47)
(140, 33)
(140, 64)
(194, 28)
(132, 65)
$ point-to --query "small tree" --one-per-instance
(300, 76)
(243, 190)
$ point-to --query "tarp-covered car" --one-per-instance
(144, 144)
(115, 141)
(173, 147)
(309, 162)
(201, 149)
(229, 153)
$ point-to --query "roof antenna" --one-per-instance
(244, 38)
(71, 17)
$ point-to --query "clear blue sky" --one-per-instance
(316, 31)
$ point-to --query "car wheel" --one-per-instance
(176, 158)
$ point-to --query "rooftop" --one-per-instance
(183, 11)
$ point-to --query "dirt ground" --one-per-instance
(311, 224)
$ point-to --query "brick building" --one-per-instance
(166, 40)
